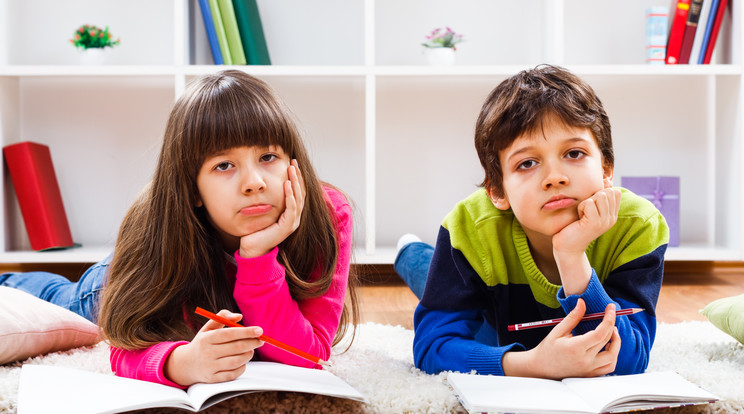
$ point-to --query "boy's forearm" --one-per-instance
(575, 271)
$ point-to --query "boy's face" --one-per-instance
(547, 173)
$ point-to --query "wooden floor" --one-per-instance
(687, 288)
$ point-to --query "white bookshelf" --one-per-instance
(392, 132)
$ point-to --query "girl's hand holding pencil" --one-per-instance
(281, 345)
(215, 354)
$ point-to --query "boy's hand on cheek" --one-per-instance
(597, 214)
(261, 242)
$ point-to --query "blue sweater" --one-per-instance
(483, 278)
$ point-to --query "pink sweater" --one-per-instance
(263, 297)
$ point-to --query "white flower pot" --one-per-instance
(93, 56)
(440, 56)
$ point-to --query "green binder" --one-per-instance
(231, 30)
(251, 32)
(220, 29)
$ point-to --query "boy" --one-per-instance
(547, 237)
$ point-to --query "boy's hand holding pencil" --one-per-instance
(591, 354)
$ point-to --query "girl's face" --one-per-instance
(243, 190)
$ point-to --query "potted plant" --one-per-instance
(92, 40)
(440, 46)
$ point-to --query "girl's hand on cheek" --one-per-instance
(261, 242)
(215, 354)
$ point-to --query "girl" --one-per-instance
(234, 218)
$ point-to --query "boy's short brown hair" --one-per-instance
(519, 104)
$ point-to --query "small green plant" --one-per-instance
(92, 37)
(443, 38)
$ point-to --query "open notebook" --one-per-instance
(53, 389)
(611, 394)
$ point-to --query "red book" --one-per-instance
(714, 32)
(32, 173)
(678, 20)
(688, 38)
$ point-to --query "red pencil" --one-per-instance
(589, 317)
(272, 341)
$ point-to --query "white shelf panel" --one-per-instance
(382, 255)
(508, 70)
(352, 70)
(702, 253)
(83, 254)
(386, 255)
(102, 70)
(278, 70)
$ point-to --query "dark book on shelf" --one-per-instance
(688, 38)
(214, 44)
(251, 32)
(35, 183)
(711, 43)
(677, 22)
(231, 31)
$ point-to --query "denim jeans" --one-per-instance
(412, 264)
(80, 297)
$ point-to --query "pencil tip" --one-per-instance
(324, 363)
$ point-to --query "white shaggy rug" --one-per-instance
(379, 364)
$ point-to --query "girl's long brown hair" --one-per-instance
(168, 259)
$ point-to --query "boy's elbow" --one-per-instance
(636, 366)
(633, 361)
(425, 360)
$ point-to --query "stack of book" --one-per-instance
(234, 32)
(693, 30)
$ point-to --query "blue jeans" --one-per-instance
(412, 265)
(80, 297)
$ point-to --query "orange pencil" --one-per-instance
(272, 341)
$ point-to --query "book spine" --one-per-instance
(657, 20)
(231, 30)
(700, 32)
(693, 16)
(678, 17)
(714, 32)
(214, 44)
(251, 32)
(708, 29)
(32, 173)
(219, 28)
